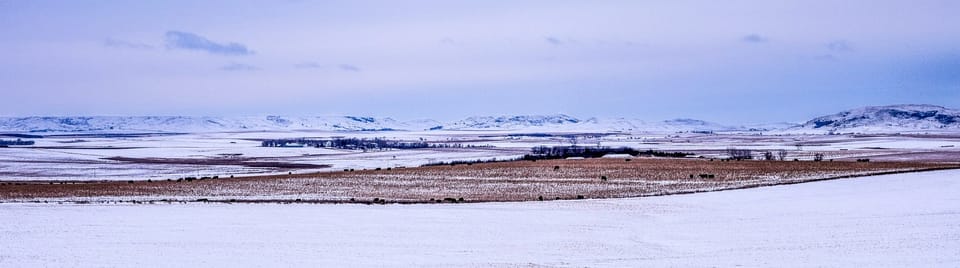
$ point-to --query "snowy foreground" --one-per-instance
(904, 220)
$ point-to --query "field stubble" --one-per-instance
(502, 181)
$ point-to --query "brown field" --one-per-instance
(503, 181)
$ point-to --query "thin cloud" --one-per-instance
(754, 39)
(553, 40)
(348, 68)
(125, 44)
(308, 65)
(448, 41)
(233, 67)
(825, 57)
(191, 41)
(839, 46)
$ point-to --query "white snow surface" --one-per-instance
(903, 220)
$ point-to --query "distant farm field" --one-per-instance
(501, 181)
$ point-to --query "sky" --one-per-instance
(723, 61)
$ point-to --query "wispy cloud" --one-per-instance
(349, 68)
(553, 40)
(825, 57)
(308, 65)
(125, 44)
(839, 46)
(191, 41)
(448, 41)
(754, 39)
(239, 67)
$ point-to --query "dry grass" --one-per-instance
(507, 181)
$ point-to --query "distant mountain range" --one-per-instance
(878, 119)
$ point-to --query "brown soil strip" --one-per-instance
(505, 181)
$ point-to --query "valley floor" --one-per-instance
(901, 220)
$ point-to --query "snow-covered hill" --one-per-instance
(878, 119)
(205, 124)
(187, 124)
(886, 119)
(514, 122)
(561, 122)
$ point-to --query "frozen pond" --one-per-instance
(895, 220)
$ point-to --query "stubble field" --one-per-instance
(501, 181)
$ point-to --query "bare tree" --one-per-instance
(781, 154)
(739, 154)
(573, 140)
(768, 155)
(818, 157)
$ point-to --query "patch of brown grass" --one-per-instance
(504, 181)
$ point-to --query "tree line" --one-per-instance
(560, 152)
(359, 143)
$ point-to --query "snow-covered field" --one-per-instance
(87, 158)
(904, 220)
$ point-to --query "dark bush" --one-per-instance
(561, 152)
(579, 196)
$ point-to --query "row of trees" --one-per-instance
(15, 142)
(358, 143)
(559, 152)
(747, 154)
(780, 155)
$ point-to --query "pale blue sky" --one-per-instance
(726, 61)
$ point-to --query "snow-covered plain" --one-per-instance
(903, 220)
(72, 158)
